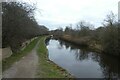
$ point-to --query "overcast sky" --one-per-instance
(60, 13)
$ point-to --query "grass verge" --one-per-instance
(46, 68)
(6, 63)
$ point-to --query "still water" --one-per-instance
(82, 63)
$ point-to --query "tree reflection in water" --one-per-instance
(47, 41)
(109, 65)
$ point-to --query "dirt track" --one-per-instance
(24, 68)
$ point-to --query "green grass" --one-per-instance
(48, 69)
(6, 63)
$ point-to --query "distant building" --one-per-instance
(119, 11)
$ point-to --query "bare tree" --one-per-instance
(110, 19)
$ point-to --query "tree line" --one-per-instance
(107, 36)
(19, 24)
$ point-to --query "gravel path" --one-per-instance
(24, 68)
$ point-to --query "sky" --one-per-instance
(60, 13)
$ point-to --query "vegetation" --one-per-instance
(7, 62)
(103, 39)
(19, 24)
(47, 69)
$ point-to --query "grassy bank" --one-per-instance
(6, 63)
(47, 69)
(83, 42)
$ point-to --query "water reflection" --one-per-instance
(81, 54)
(47, 41)
(108, 65)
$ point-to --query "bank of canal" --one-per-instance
(47, 68)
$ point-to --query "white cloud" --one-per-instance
(63, 12)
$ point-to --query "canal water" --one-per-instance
(80, 62)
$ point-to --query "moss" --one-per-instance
(6, 63)
(48, 69)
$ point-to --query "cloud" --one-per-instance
(62, 12)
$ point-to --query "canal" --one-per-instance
(81, 62)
